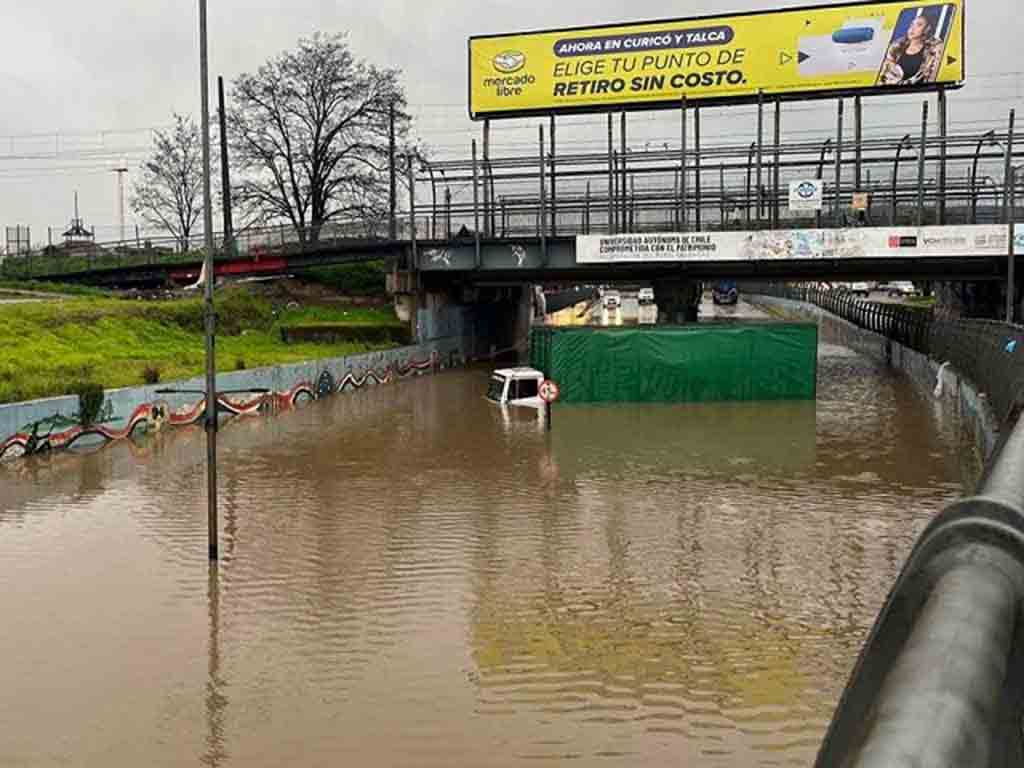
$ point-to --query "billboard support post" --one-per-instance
(837, 212)
(721, 193)
(696, 169)
(611, 175)
(760, 152)
(586, 211)
(943, 151)
(921, 157)
(554, 195)
(623, 183)
(476, 208)
(776, 163)
(682, 165)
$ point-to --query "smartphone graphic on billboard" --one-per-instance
(918, 45)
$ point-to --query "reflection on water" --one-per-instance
(413, 576)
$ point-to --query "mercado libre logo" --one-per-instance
(508, 62)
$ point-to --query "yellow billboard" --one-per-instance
(859, 47)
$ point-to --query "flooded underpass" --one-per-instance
(412, 576)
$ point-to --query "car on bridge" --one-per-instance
(645, 297)
(725, 292)
(899, 289)
(612, 300)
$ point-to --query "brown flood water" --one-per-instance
(412, 577)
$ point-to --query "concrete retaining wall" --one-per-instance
(960, 399)
(53, 424)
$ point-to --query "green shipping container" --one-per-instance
(680, 364)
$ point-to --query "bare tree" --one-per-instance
(170, 193)
(309, 136)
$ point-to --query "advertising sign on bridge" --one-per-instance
(894, 45)
(858, 243)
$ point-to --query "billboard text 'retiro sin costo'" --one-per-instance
(861, 47)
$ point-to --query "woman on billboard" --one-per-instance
(915, 57)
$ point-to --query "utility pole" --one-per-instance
(120, 198)
(209, 316)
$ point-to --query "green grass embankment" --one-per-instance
(49, 349)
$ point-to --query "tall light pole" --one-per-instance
(210, 318)
(120, 197)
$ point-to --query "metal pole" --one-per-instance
(209, 315)
(777, 160)
(586, 212)
(821, 171)
(448, 212)
(1011, 260)
(746, 201)
(682, 165)
(412, 210)
(760, 153)
(974, 175)
(393, 191)
(1010, 176)
(476, 209)
(944, 138)
(554, 197)
(487, 186)
(838, 212)
(225, 170)
(858, 143)
(895, 176)
(922, 155)
(611, 175)
(623, 184)
(696, 169)
(1009, 162)
(721, 193)
(543, 201)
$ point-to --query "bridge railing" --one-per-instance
(54, 262)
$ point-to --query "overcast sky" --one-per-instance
(84, 83)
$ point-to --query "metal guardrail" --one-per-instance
(940, 679)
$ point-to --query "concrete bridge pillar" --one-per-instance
(678, 300)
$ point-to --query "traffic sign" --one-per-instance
(549, 391)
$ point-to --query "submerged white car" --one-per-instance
(516, 386)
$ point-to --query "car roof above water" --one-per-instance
(519, 373)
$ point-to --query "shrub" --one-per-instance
(151, 374)
(90, 401)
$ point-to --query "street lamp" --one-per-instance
(209, 316)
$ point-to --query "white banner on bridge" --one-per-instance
(804, 244)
